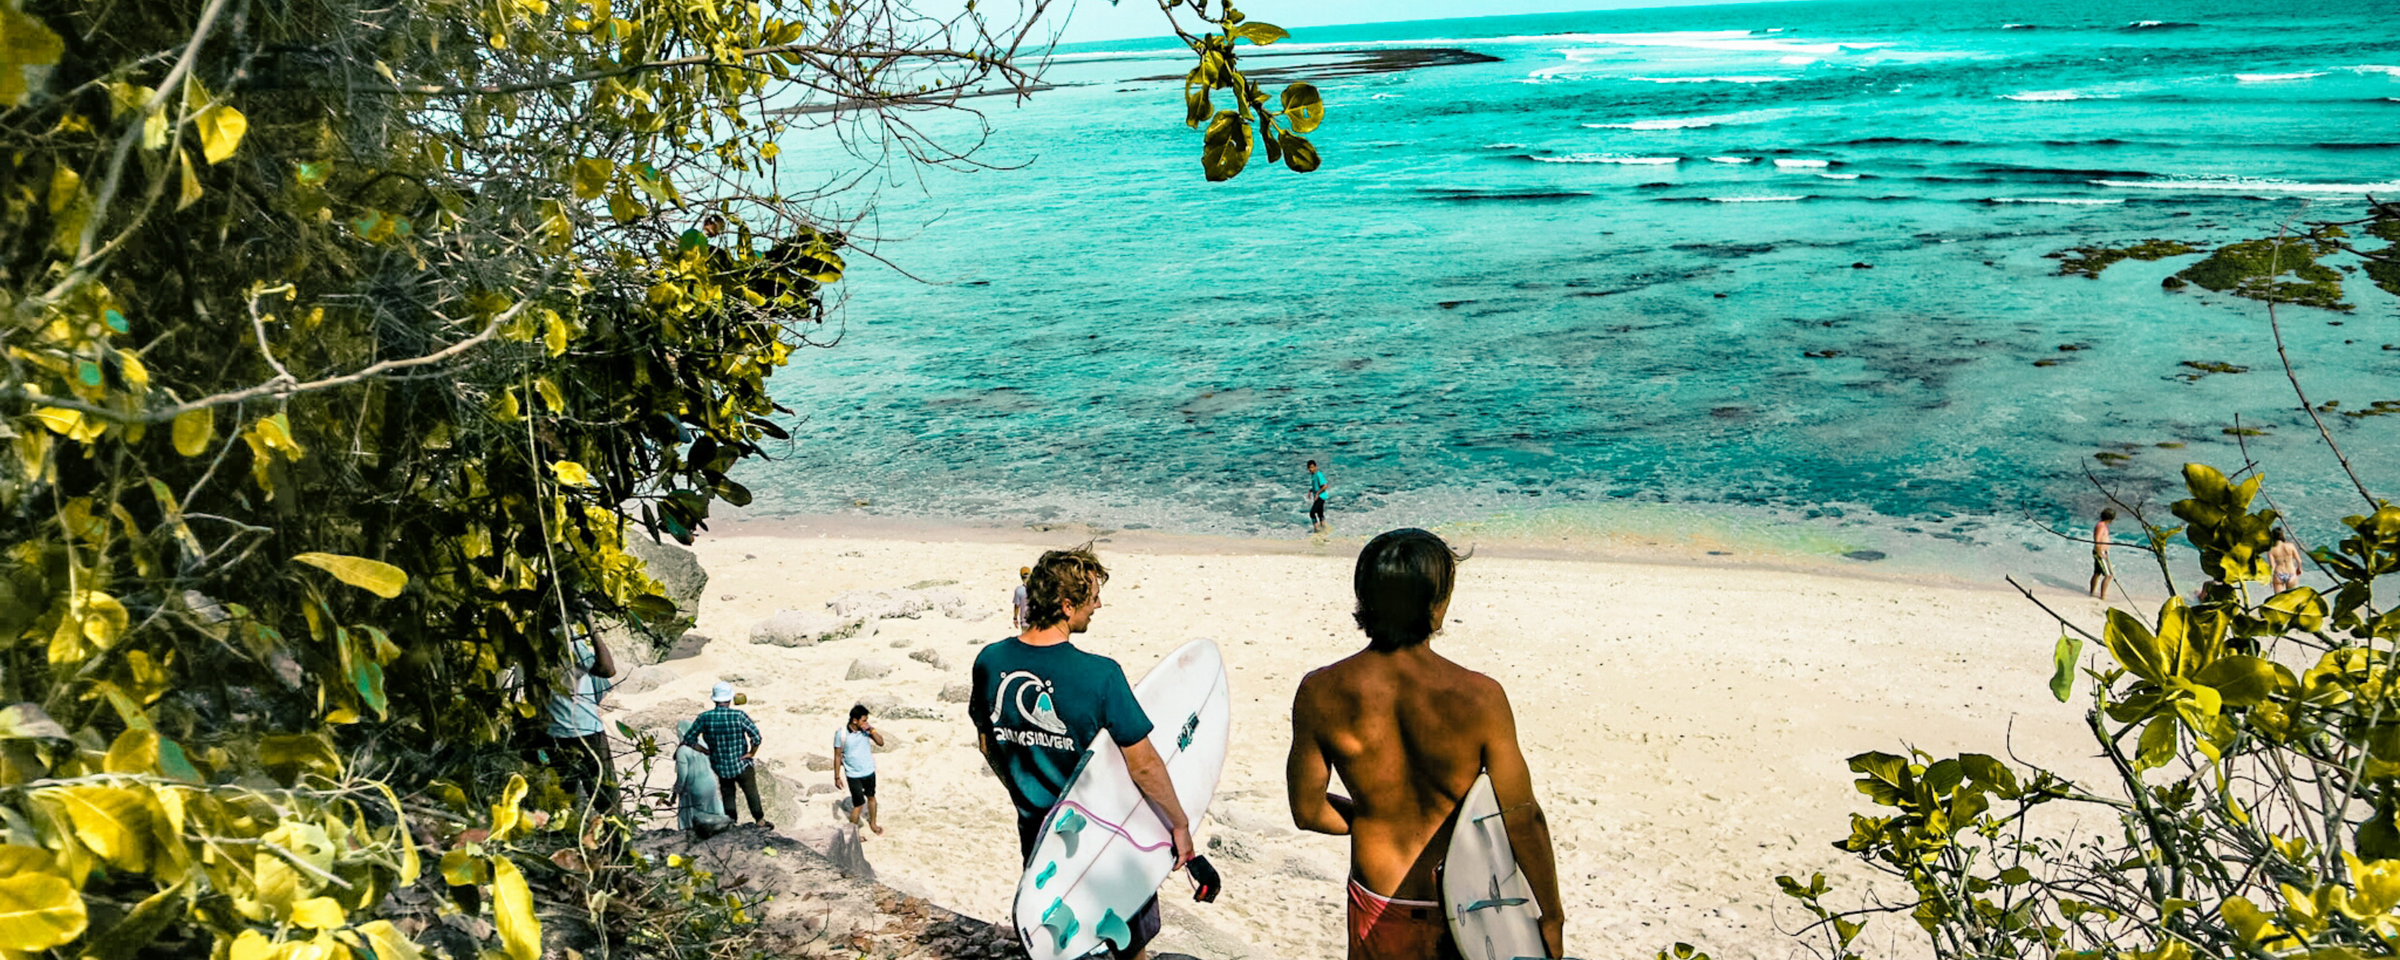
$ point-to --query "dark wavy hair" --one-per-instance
(1401, 577)
(1061, 579)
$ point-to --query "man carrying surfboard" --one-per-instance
(1411, 733)
(1039, 702)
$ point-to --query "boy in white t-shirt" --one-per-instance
(854, 760)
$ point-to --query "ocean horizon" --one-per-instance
(1785, 272)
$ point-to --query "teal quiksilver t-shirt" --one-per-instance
(1040, 708)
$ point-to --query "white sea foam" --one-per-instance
(2068, 201)
(2043, 96)
(1733, 159)
(1839, 176)
(1610, 158)
(2274, 77)
(1741, 40)
(1789, 164)
(2016, 26)
(2392, 72)
(1756, 199)
(2252, 186)
(1386, 96)
(1691, 123)
(1712, 79)
(1796, 61)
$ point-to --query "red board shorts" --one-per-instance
(1388, 928)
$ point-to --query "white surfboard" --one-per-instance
(1490, 905)
(1104, 850)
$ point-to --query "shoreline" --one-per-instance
(1625, 548)
(1687, 723)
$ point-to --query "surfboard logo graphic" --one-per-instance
(1039, 711)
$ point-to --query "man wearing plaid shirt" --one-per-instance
(731, 744)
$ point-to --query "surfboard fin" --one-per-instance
(1069, 828)
(1044, 877)
(1112, 928)
(1061, 923)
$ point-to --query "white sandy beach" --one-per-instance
(1687, 724)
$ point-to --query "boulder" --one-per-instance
(676, 569)
(646, 679)
(866, 669)
(911, 602)
(805, 628)
(956, 693)
(889, 707)
(665, 716)
(818, 762)
(930, 657)
(688, 647)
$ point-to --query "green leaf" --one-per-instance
(26, 721)
(1303, 107)
(38, 911)
(112, 822)
(25, 43)
(193, 429)
(2378, 838)
(2207, 483)
(591, 177)
(2246, 681)
(2062, 665)
(139, 928)
(191, 181)
(2135, 647)
(2157, 744)
(512, 909)
(221, 128)
(1225, 148)
(373, 576)
(286, 756)
(1256, 32)
(1298, 153)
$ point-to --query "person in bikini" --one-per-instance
(2283, 560)
(1409, 731)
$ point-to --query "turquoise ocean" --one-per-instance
(1605, 281)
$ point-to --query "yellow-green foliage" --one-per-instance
(2252, 805)
(2089, 261)
(344, 344)
(2256, 269)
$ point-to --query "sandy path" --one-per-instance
(1687, 726)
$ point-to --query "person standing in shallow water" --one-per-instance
(1316, 497)
(1409, 731)
(2101, 575)
(2283, 559)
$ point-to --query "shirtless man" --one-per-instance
(2101, 578)
(1409, 731)
(2283, 559)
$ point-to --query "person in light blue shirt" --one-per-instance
(854, 760)
(577, 743)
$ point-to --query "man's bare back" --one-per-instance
(1409, 731)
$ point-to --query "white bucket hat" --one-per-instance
(723, 692)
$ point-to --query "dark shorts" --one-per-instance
(1316, 511)
(2099, 567)
(862, 789)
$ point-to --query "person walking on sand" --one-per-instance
(2283, 560)
(1038, 701)
(2101, 575)
(1023, 574)
(1317, 485)
(1409, 731)
(731, 741)
(854, 759)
